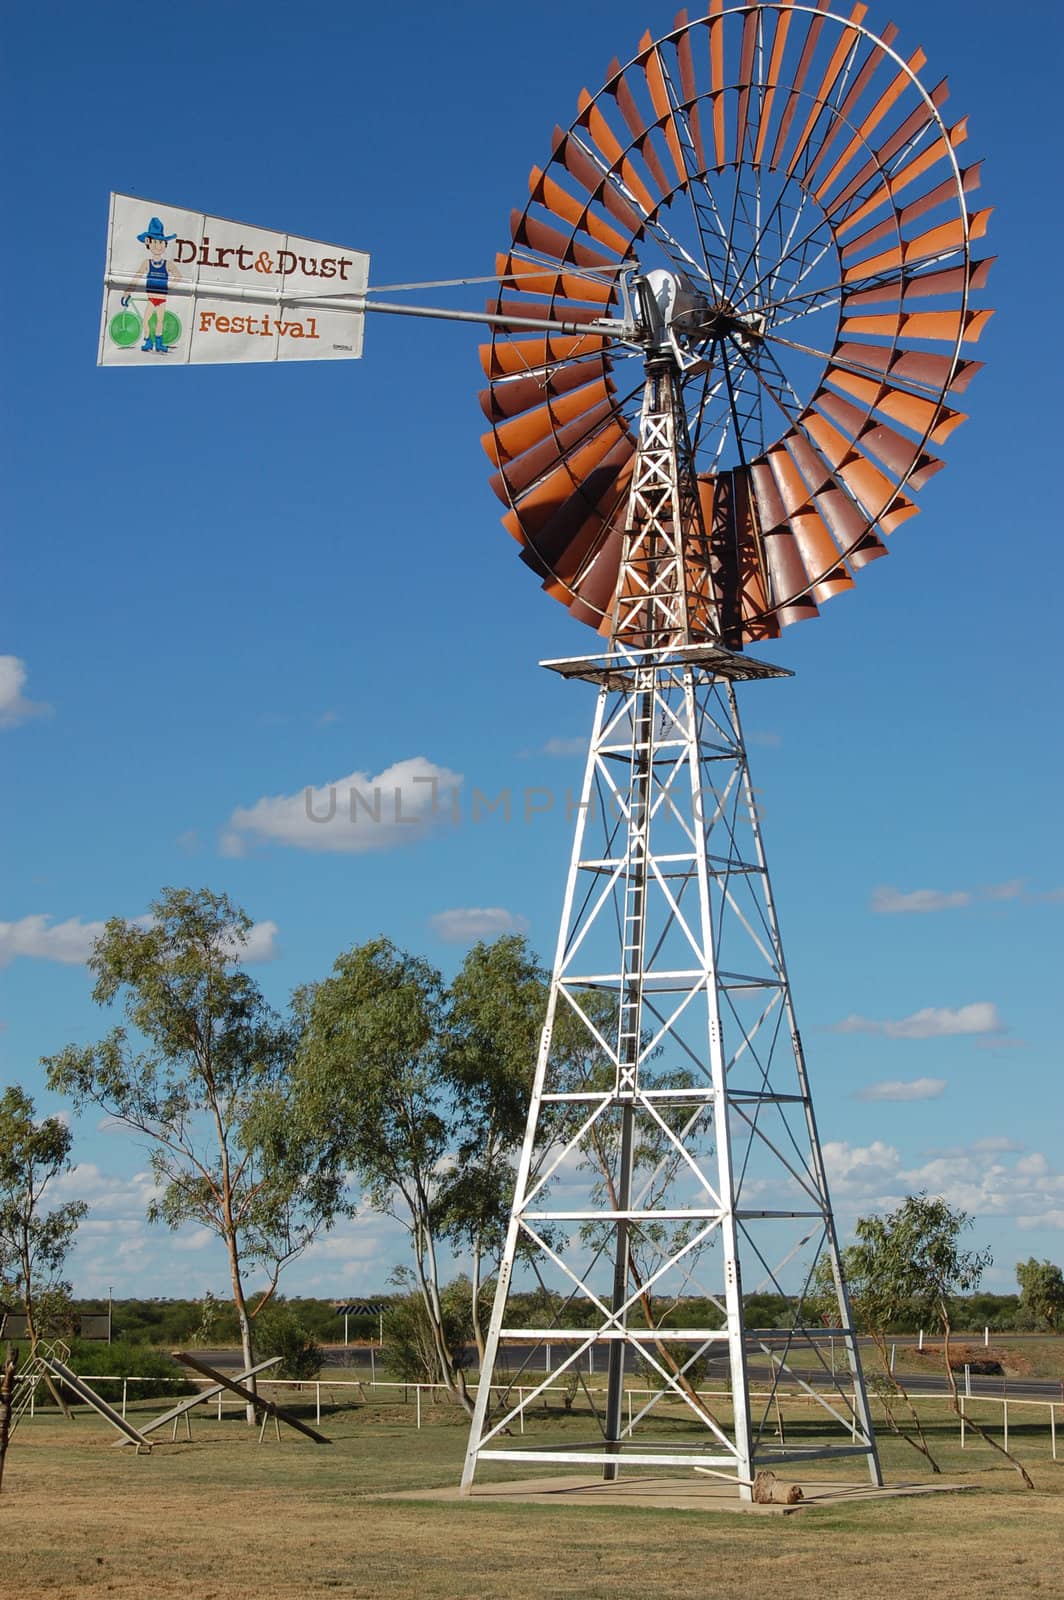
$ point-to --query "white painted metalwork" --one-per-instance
(671, 1150)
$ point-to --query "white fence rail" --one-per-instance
(368, 1388)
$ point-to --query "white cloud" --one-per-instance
(980, 1178)
(258, 944)
(1045, 1219)
(895, 1089)
(1012, 890)
(354, 814)
(558, 746)
(933, 1022)
(767, 737)
(889, 900)
(109, 1198)
(39, 938)
(463, 925)
(860, 1169)
(14, 707)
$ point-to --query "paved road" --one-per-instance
(363, 1361)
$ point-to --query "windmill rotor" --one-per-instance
(792, 201)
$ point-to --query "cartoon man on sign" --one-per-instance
(157, 274)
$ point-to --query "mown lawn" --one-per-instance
(224, 1517)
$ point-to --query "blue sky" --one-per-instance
(228, 583)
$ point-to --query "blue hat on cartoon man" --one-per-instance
(154, 230)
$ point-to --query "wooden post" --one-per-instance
(7, 1392)
(1053, 1429)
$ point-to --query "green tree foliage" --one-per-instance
(913, 1255)
(370, 1068)
(491, 1028)
(34, 1242)
(1042, 1290)
(204, 1076)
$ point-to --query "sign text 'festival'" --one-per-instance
(181, 287)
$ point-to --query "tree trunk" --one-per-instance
(429, 1281)
(7, 1392)
(955, 1402)
(895, 1387)
(478, 1332)
(243, 1320)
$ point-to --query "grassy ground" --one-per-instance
(223, 1517)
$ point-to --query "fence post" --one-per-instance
(418, 1393)
(986, 1337)
(219, 1408)
(372, 1368)
(125, 1381)
(629, 1413)
(960, 1403)
(317, 1402)
(967, 1380)
(1053, 1428)
(1005, 1408)
(893, 1351)
(521, 1406)
(920, 1341)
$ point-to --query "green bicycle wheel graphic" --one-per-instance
(126, 329)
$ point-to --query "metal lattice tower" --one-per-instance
(671, 1149)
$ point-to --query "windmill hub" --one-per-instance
(679, 318)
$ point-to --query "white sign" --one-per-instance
(181, 287)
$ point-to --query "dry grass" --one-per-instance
(222, 1518)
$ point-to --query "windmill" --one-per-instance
(749, 261)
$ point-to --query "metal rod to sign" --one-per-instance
(604, 327)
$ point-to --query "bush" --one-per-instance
(411, 1352)
(277, 1331)
(127, 1361)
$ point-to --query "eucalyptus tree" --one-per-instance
(490, 1039)
(874, 1305)
(202, 1073)
(34, 1242)
(369, 1068)
(913, 1257)
(1042, 1290)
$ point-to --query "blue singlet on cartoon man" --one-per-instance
(156, 274)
